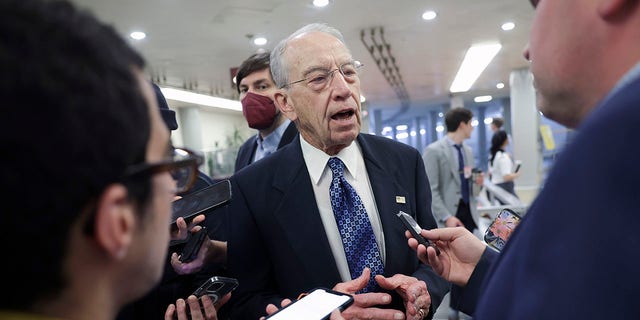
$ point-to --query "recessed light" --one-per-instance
(137, 35)
(483, 98)
(362, 98)
(429, 15)
(320, 3)
(260, 41)
(500, 85)
(508, 26)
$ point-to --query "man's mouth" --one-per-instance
(343, 115)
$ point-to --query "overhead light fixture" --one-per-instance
(429, 15)
(508, 26)
(483, 98)
(475, 61)
(137, 35)
(488, 121)
(402, 135)
(500, 85)
(260, 41)
(320, 3)
(474, 123)
(362, 99)
(412, 133)
(423, 131)
(439, 128)
(201, 99)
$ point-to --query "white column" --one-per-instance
(525, 122)
(190, 127)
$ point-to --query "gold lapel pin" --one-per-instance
(400, 199)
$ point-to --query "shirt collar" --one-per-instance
(270, 142)
(316, 160)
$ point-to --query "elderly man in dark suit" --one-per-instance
(575, 254)
(291, 211)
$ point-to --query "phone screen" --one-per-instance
(501, 228)
(200, 201)
(317, 305)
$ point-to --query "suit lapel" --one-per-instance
(389, 196)
(453, 159)
(299, 216)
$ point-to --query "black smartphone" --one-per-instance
(216, 288)
(317, 305)
(518, 164)
(200, 201)
(500, 229)
(415, 229)
(191, 249)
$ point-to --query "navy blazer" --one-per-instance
(576, 254)
(248, 148)
(278, 247)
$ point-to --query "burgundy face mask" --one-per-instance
(259, 111)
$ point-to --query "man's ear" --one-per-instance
(115, 221)
(612, 10)
(283, 103)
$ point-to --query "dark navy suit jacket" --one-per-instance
(576, 254)
(278, 247)
(248, 148)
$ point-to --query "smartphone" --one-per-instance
(415, 229)
(500, 229)
(317, 305)
(518, 163)
(216, 288)
(191, 249)
(200, 201)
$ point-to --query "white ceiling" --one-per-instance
(194, 43)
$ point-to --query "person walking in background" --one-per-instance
(450, 164)
(501, 166)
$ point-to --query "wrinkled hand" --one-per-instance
(210, 252)
(460, 252)
(362, 307)
(417, 300)
(183, 228)
(271, 309)
(180, 308)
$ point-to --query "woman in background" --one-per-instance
(500, 163)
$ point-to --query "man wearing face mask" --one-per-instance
(256, 89)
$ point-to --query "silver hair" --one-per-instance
(279, 71)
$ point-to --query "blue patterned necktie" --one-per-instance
(464, 182)
(358, 240)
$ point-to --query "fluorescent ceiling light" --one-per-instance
(488, 121)
(201, 99)
(423, 131)
(475, 61)
(474, 123)
(439, 128)
(402, 127)
(483, 98)
(500, 85)
(402, 135)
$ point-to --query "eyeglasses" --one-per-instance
(320, 79)
(183, 167)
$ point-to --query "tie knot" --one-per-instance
(458, 146)
(336, 166)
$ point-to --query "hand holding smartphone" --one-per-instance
(415, 229)
(317, 305)
(193, 204)
(191, 249)
(216, 288)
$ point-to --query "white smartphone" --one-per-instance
(317, 305)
